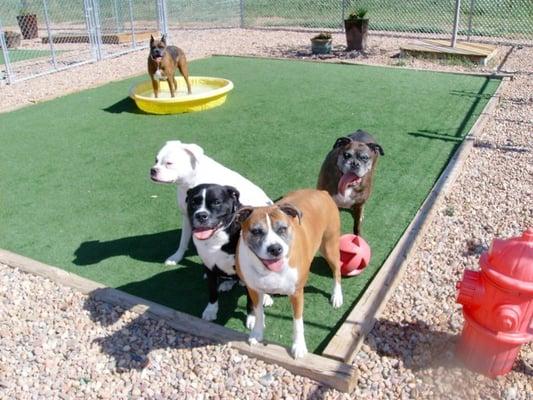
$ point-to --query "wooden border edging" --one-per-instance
(349, 337)
(330, 372)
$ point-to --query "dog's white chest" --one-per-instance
(160, 75)
(344, 200)
(210, 251)
(259, 278)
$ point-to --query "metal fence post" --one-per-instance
(343, 13)
(456, 22)
(133, 40)
(470, 15)
(87, 7)
(165, 18)
(241, 9)
(97, 29)
(49, 32)
(5, 53)
(115, 11)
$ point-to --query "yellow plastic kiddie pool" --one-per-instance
(207, 92)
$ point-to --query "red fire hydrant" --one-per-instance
(497, 306)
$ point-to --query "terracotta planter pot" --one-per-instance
(28, 25)
(356, 33)
(321, 46)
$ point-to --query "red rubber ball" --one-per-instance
(355, 254)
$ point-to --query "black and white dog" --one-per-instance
(212, 210)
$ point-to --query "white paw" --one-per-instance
(299, 349)
(171, 261)
(255, 338)
(226, 286)
(174, 259)
(336, 297)
(242, 283)
(267, 300)
(250, 321)
(210, 312)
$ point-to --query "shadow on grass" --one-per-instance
(152, 247)
(436, 135)
(126, 105)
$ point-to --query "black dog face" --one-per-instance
(157, 47)
(211, 207)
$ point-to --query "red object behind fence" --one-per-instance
(497, 306)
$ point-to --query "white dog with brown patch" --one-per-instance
(276, 247)
(187, 166)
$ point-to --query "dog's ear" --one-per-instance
(342, 141)
(376, 148)
(194, 151)
(243, 214)
(164, 39)
(187, 196)
(233, 193)
(291, 211)
(152, 40)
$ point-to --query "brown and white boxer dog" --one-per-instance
(162, 63)
(276, 247)
(347, 173)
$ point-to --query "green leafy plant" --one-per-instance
(322, 36)
(359, 13)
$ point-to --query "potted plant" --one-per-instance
(356, 29)
(27, 20)
(321, 43)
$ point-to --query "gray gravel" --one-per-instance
(57, 343)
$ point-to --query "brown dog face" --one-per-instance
(267, 231)
(157, 48)
(354, 160)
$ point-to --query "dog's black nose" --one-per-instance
(275, 250)
(153, 172)
(201, 216)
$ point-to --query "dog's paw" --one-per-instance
(299, 349)
(336, 297)
(255, 338)
(226, 286)
(267, 300)
(250, 321)
(210, 312)
(171, 261)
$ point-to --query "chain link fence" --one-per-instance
(509, 19)
(41, 36)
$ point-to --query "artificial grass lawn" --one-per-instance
(75, 191)
(22, 54)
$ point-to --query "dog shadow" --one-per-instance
(131, 344)
(152, 247)
(126, 105)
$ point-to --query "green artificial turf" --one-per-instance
(22, 54)
(75, 192)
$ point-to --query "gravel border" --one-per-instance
(57, 343)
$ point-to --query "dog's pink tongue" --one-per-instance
(346, 180)
(203, 235)
(274, 265)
